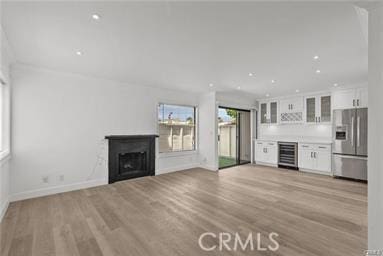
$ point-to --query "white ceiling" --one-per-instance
(187, 46)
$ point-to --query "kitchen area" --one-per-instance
(320, 132)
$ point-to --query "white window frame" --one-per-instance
(5, 119)
(182, 152)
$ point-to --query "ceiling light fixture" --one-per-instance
(273, 81)
(239, 88)
(335, 84)
(251, 74)
(211, 85)
(316, 57)
(267, 95)
(79, 53)
(296, 90)
(96, 16)
(317, 71)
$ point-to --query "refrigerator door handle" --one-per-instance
(358, 131)
(352, 131)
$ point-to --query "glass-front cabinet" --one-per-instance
(318, 109)
(269, 112)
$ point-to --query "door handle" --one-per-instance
(358, 131)
(352, 131)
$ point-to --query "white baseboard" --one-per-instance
(209, 167)
(3, 209)
(56, 190)
(177, 168)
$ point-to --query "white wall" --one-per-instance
(375, 128)
(208, 147)
(59, 124)
(6, 58)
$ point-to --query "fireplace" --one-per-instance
(131, 156)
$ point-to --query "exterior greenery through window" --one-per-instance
(176, 125)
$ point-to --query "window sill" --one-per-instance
(4, 155)
(176, 154)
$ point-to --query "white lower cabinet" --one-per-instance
(266, 152)
(315, 157)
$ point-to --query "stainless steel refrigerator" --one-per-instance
(349, 157)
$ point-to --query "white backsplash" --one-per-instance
(322, 132)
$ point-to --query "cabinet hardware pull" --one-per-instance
(353, 103)
(357, 102)
(319, 119)
(311, 154)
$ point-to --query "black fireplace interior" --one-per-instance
(132, 162)
(131, 156)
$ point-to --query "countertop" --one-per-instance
(313, 140)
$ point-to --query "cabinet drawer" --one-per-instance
(322, 147)
(303, 146)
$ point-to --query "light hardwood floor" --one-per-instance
(166, 214)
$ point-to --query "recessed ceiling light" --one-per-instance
(316, 57)
(335, 84)
(296, 90)
(272, 81)
(317, 71)
(211, 85)
(79, 53)
(239, 88)
(267, 95)
(96, 16)
(251, 74)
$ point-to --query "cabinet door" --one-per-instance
(259, 154)
(273, 112)
(305, 159)
(325, 109)
(310, 110)
(272, 153)
(263, 113)
(344, 99)
(362, 98)
(285, 106)
(322, 161)
(296, 104)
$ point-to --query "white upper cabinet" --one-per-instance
(291, 110)
(353, 98)
(269, 112)
(318, 109)
(362, 98)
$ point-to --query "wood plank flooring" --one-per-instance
(166, 214)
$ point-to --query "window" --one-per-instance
(176, 126)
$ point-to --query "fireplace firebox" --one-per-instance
(131, 156)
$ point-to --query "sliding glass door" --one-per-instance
(234, 138)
